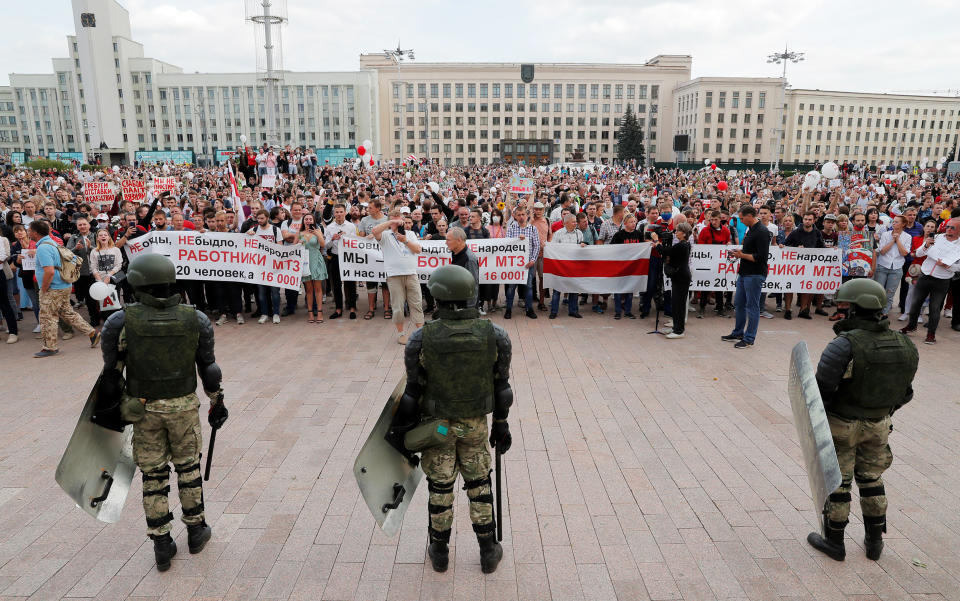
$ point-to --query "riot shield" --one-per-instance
(386, 478)
(97, 466)
(813, 429)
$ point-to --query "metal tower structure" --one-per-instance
(268, 18)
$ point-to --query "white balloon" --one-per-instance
(493, 191)
(116, 168)
(99, 291)
(435, 187)
(521, 170)
(830, 170)
(443, 174)
(407, 175)
(188, 175)
(368, 144)
(731, 173)
(706, 161)
(812, 176)
(243, 139)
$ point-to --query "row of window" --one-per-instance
(434, 107)
(849, 109)
(459, 121)
(493, 90)
(907, 123)
(733, 133)
(495, 148)
(495, 134)
(876, 136)
(735, 100)
(876, 150)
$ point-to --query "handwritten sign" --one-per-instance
(133, 190)
(101, 194)
(521, 185)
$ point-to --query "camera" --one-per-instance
(664, 235)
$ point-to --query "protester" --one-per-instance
(568, 234)
(520, 229)
(677, 268)
(311, 235)
(753, 272)
(629, 234)
(941, 263)
(400, 248)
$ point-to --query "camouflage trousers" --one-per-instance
(863, 454)
(158, 439)
(466, 453)
(55, 309)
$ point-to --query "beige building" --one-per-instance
(477, 113)
(728, 119)
(876, 128)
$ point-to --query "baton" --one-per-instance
(213, 441)
(499, 506)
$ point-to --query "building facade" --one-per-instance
(107, 100)
(461, 113)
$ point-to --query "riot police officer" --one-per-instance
(163, 344)
(864, 375)
(458, 369)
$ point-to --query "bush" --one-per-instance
(92, 168)
(787, 173)
(47, 165)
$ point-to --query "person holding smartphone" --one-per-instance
(311, 235)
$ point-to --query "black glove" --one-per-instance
(500, 436)
(218, 414)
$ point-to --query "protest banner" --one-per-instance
(798, 270)
(225, 257)
(133, 190)
(268, 180)
(501, 260)
(101, 194)
(28, 263)
(164, 184)
(618, 268)
(521, 185)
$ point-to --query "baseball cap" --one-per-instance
(404, 209)
(830, 217)
(539, 205)
(102, 217)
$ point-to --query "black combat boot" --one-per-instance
(874, 527)
(490, 554)
(197, 536)
(832, 543)
(439, 555)
(163, 550)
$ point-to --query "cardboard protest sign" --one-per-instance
(133, 190)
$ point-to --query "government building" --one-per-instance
(105, 100)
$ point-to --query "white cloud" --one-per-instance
(849, 46)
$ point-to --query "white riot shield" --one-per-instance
(386, 478)
(813, 429)
(97, 466)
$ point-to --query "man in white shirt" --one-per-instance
(568, 234)
(335, 230)
(894, 246)
(400, 249)
(289, 230)
(268, 297)
(941, 263)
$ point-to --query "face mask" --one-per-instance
(496, 219)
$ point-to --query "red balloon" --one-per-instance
(361, 150)
(713, 167)
(371, 162)
(886, 181)
(722, 186)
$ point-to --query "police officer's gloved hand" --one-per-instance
(217, 415)
(500, 436)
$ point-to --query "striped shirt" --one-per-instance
(532, 234)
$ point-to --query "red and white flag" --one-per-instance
(234, 191)
(616, 268)
(412, 158)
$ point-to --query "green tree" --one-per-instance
(630, 139)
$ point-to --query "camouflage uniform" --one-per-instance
(55, 310)
(169, 430)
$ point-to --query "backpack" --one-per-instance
(69, 264)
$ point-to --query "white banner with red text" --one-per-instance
(795, 270)
(225, 257)
(501, 260)
(615, 268)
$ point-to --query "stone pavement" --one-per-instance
(641, 468)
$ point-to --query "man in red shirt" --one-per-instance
(715, 233)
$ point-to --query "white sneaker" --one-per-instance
(37, 329)
(903, 317)
(12, 338)
(222, 320)
(481, 311)
(668, 324)
(401, 339)
(919, 319)
(67, 335)
(766, 314)
(240, 319)
(948, 313)
(276, 319)
(674, 335)
(263, 319)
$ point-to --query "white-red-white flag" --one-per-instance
(234, 191)
(615, 268)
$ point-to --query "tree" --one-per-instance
(630, 139)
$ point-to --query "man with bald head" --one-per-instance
(941, 263)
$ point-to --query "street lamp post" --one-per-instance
(200, 113)
(398, 55)
(782, 57)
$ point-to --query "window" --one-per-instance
(735, 101)
(723, 100)
(748, 101)
(709, 99)
(763, 100)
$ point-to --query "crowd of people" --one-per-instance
(886, 222)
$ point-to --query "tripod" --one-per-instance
(658, 300)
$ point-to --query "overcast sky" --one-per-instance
(877, 46)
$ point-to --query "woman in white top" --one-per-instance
(894, 246)
(105, 260)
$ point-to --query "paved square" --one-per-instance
(641, 468)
